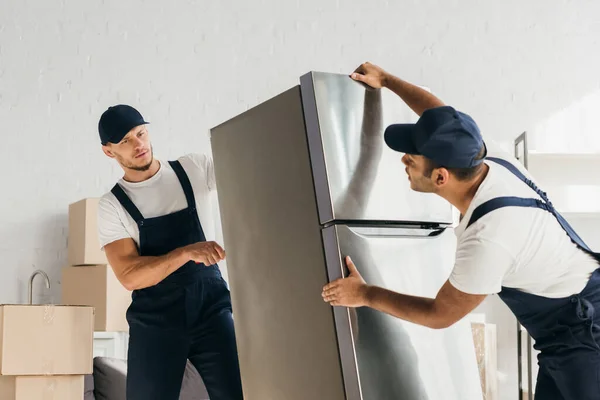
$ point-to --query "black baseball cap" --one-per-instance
(448, 137)
(117, 121)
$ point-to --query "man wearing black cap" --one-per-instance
(150, 228)
(510, 241)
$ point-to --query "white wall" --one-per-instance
(189, 65)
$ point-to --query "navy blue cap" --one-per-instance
(117, 121)
(448, 137)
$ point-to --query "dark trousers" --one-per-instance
(175, 322)
(572, 370)
(580, 381)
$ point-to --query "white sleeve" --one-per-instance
(480, 266)
(110, 226)
(204, 162)
(210, 173)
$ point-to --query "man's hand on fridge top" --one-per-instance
(371, 75)
(348, 292)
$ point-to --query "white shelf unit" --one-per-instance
(111, 344)
(572, 181)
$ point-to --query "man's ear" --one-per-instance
(442, 175)
(106, 149)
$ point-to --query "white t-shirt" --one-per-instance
(517, 247)
(160, 195)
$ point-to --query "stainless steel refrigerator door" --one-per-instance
(395, 359)
(357, 177)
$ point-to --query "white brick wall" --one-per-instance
(189, 65)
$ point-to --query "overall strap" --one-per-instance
(185, 183)
(543, 204)
(500, 202)
(521, 176)
(127, 204)
(574, 236)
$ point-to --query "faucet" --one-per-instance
(39, 271)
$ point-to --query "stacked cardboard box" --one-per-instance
(89, 279)
(45, 351)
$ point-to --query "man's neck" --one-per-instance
(462, 197)
(134, 176)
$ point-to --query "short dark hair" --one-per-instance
(462, 174)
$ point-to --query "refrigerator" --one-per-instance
(304, 179)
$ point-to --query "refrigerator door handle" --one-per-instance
(396, 232)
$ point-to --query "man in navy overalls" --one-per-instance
(511, 241)
(149, 227)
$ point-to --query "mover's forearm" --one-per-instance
(418, 310)
(418, 99)
(138, 272)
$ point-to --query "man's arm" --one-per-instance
(138, 272)
(418, 99)
(449, 306)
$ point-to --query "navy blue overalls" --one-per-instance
(566, 330)
(186, 316)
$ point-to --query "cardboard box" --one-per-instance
(46, 339)
(484, 338)
(97, 286)
(60, 387)
(83, 243)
